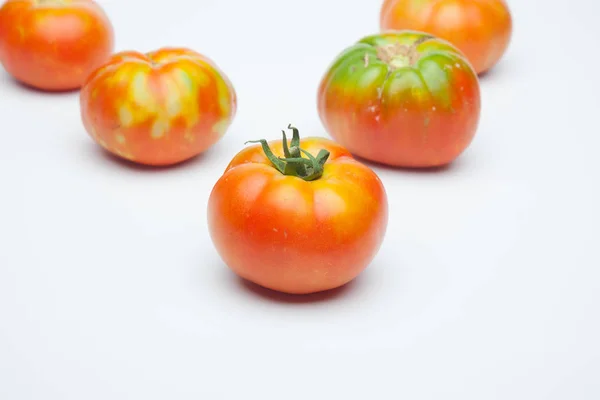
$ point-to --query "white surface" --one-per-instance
(486, 286)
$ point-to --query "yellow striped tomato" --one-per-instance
(158, 108)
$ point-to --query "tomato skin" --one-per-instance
(481, 29)
(159, 108)
(295, 236)
(53, 45)
(420, 108)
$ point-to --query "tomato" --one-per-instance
(404, 99)
(481, 29)
(53, 45)
(297, 219)
(158, 108)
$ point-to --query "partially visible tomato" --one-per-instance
(297, 219)
(405, 99)
(481, 29)
(158, 108)
(53, 45)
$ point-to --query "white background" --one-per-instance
(487, 285)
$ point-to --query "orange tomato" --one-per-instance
(158, 108)
(53, 45)
(297, 220)
(481, 29)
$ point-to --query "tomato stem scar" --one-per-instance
(293, 164)
(51, 2)
(397, 55)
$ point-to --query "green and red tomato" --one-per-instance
(402, 98)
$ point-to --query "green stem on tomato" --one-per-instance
(293, 164)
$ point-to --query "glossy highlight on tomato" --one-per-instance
(298, 218)
(481, 29)
(158, 108)
(404, 99)
(54, 45)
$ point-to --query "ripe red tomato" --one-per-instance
(158, 108)
(404, 99)
(53, 45)
(481, 29)
(297, 220)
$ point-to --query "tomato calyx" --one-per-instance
(293, 164)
